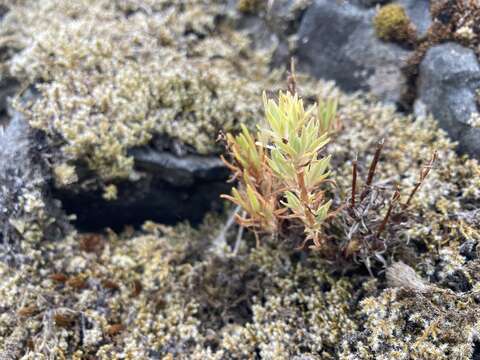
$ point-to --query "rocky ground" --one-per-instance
(113, 237)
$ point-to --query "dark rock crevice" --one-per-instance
(171, 188)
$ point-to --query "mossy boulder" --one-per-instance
(116, 77)
(337, 41)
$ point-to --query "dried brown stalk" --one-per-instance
(393, 201)
(373, 168)
(354, 182)
(291, 79)
(423, 175)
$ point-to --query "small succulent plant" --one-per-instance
(281, 172)
(283, 177)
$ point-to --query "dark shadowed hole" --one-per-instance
(160, 202)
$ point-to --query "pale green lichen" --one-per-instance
(402, 324)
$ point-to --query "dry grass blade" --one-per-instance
(423, 175)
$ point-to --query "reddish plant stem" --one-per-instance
(383, 225)
(304, 198)
(354, 183)
(372, 169)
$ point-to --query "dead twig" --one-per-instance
(373, 168)
(423, 175)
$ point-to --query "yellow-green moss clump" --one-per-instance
(249, 6)
(393, 24)
(112, 75)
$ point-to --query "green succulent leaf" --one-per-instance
(322, 211)
(317, 171)
(292, 201)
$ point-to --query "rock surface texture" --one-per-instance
(448, 88)
(337, 41)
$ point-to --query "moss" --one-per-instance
(118, 76)
(64, 175)
(249, 6)
(405, 324)
(393, 24)
(110, 192)
(267, 302)
(158, 283)
(225, 289)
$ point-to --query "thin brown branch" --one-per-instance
(373, 165)
(354, 183)
(423, 175)
(373, 168)
(393, 201)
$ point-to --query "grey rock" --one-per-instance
(417, 10)
(419, 13)
(337, 42)
(179, 171)
(368, 3)
(254, 25)
(24, 175)
(284, 16)
(274, 27)
(3, 10)
(8, 88)
(257, 28)
(449, 77)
